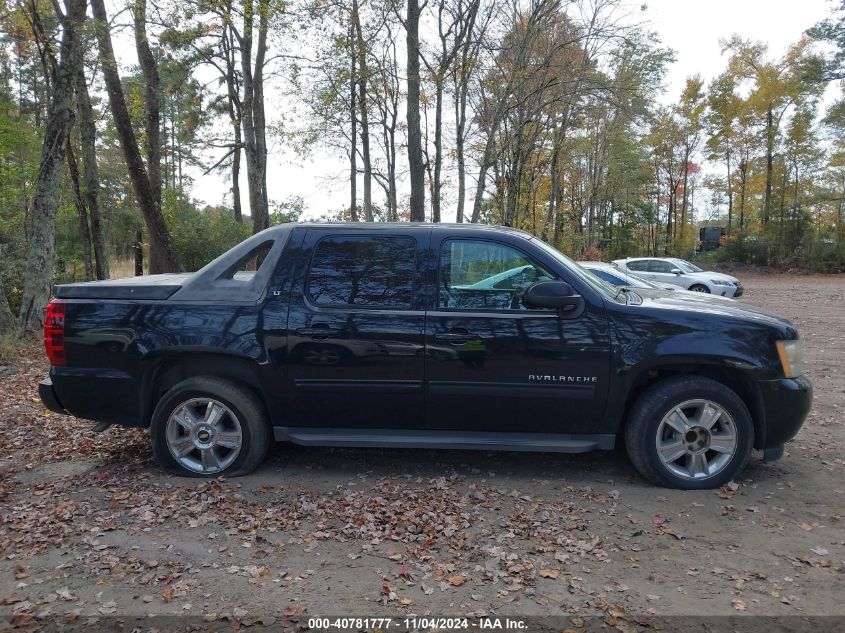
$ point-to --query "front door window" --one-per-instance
(480, 275)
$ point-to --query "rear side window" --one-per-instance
(244, 269)
(608, 277)
(659, 266)
(368, 271)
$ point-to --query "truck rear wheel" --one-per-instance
(689, 432)
(207, 427)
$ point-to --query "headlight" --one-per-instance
(791, 358)
(720, 282)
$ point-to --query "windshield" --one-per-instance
(607, 290)
(687, 267)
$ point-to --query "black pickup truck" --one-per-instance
(419, 335)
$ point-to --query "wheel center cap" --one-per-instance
(697, 439)
(204, 435)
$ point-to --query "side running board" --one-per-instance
(474, 440)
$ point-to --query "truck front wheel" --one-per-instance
(207, 427)
(689, 432)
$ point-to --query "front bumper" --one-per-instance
(786, 403)
(48, 396)
(739, 291)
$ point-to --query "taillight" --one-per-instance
(54, 332)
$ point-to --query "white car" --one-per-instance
(682, 273)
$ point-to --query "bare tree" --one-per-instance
(162, 256)
(386, 100)
(360, 49)
(455, 20)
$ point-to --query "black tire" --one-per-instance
(255, 429)
(644, 421)
(700, 288)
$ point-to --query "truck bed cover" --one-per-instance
(148, 287)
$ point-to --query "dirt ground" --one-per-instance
(89, 525)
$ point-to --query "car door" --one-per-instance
(356, 331)
(661, 270)
(491, 364)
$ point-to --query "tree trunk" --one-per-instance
(460, 125)
(486, 160)
(770, 141)
(152, 100)
(90, 169)
(162, 256)
(363, 78)
(554, 192)
(235, 120)
(7, 319)
(236, 173)
(743, 170)
(415, 157)
(38, 279)
(252, 113)
(353, 122)
(436, 184)
(730, 192)
(139, 253)
(81, 211)
(259, 118)
(684, 195)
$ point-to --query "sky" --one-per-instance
(691, 28)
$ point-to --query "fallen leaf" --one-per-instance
(456, 580)
(739, 605)
(549, 573)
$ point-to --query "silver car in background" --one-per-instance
(619, 278)
(682, 273)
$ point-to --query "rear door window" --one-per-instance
(363, 270)
(659, 266)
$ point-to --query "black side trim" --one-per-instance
(356, 386)
(49, 398)
(513, 390)
(471, 440)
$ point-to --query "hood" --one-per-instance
(709, 274)
(714, 305)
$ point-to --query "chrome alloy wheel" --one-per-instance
(204, 435)
(696, 439)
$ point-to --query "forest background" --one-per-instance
(547, 115)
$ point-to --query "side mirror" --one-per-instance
(555, 295)
(676, 271)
